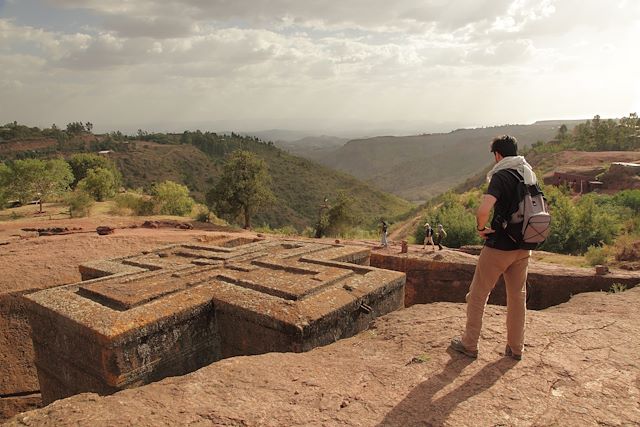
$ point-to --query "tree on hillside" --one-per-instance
(100, 183)
(81, 163)
(4, 180)
(337, 218)
(242, 188)
(562, 133)
(171, 198)
(75, 127)
(31, 178)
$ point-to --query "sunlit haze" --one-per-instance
(405, 66)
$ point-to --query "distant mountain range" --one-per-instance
(419, 167)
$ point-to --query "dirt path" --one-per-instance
(405, 229)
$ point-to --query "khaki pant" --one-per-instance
(491, 264)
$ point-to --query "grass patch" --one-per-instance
(616, 288)
(54, 210)
(421, 358)
(560, 259)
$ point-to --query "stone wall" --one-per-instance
(430, 280)
(175, 309)
(19, 389)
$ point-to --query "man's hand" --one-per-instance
(485, 233)
(482, 215)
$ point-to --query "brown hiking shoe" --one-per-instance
(457, 345)
(511, 354)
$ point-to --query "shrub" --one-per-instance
(595, 225)
(79, 204)
(201, 213)
(171, 198)
(629, 199)
(626, 248)
(617, 288)
(596, 255)
(132, 204)
(458, 222)
(577, 226)
(100, 183)
(287, 230)
(83, 162)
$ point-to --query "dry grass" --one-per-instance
(567, 260)
(54, 210)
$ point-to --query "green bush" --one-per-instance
(5, 176)
(458, 222)
(83, 162)
(133, 204)
(629, 199)
(201, 213)
(171, 198)
(596, 255)
(577, 226)
(616, 288)
(100, 183)
(79, 204)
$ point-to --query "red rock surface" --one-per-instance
(580, 367)
(29, 263)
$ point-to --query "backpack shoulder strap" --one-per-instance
(515, 174)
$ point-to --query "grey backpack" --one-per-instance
(532, 212)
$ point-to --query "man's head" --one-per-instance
(505, 145)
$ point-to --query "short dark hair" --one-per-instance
(505, 145)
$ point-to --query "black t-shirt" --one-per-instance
(504, 187)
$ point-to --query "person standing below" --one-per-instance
(428, 236)
(440, 235)
(501, 255)
(384, 229)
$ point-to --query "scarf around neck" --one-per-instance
(519, 164)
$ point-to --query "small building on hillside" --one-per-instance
(578, 183)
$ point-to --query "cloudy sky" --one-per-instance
(326, 65)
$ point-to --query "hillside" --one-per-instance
(546, 164)
(299, 185)
(312, 147)
(419, 167)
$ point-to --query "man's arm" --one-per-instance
(482, 214)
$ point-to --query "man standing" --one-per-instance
(384, 228)
(428, 236)
(440, 235)
(501, 254)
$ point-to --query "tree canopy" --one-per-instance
(171, 198)
(100, 184)
(596, 134)
(242, 188)
(31, 179)
(81, 163)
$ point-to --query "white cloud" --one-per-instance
(373, 60)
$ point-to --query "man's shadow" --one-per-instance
(420, 407)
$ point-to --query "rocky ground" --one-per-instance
(581, 363)
(29, 262)
(581, 368)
